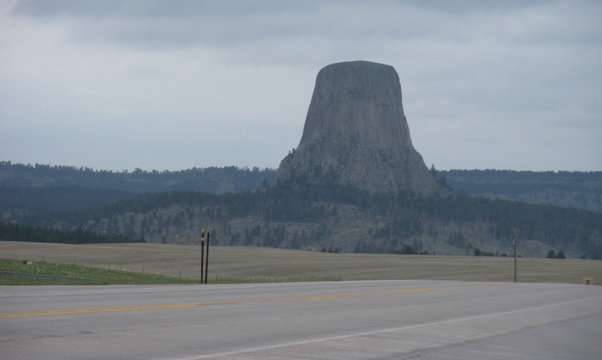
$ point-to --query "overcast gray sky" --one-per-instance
(181, 84)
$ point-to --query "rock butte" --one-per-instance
(356, 134)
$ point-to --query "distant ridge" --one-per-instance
(216, 180)
(579, 189)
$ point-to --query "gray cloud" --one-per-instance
(185, 23)
(486, 84)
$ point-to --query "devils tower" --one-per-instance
(356, 134)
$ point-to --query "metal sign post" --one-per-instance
(202, 252)
(515, 245)
(207, 261)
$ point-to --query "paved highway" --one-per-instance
(337, 320)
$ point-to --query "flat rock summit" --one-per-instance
(356, 134)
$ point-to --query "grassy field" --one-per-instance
(15, 272)
(252, 264)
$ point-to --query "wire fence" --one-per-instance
(20, 276)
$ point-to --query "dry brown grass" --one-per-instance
(267, 264)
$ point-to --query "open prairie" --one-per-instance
(247, 264)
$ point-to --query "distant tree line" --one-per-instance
(12, 232)
(212, 179)
(580, 189)
(564, 188)
(45, 206)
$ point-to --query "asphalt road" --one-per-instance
(336, 320)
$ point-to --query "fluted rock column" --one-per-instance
(356, 134)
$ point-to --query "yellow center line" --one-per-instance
(95, 310)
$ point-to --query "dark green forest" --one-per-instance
(212, 179)
(27, 233)
(562, 188)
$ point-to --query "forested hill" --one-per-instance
(146, 205)
(214, 180)
(338, 218)
(564, 188)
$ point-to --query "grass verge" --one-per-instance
(13, 272)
